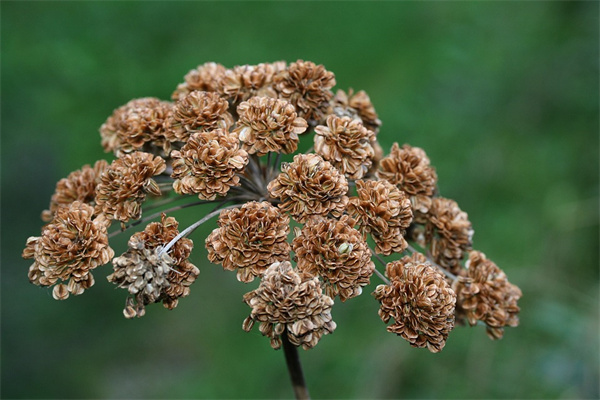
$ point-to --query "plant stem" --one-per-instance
(294, 368)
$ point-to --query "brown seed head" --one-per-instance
(409, 168)
(356, 105)
(267, 124)
(308, 87)
(420, 302)
(335, 251)
(80, 186)
(138, 125)
(205, 77)
(292, 304)
(207, 164)
(310, 186)
(384, 211)
(198, 111)
(151, 276)
(124, 184)
(449, 233)
(72, 245)
(249, 239)
(346, 144)
(486, 295)
(246, 81)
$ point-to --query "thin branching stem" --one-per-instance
(157, 214)
(442, 269)
(379, 274)
(193, 227)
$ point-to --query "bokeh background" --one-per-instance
(503, 96)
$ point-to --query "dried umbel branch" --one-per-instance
(309, 229)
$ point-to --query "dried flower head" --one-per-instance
(338, 253)
(151, 275)
(198, 111)
(205, 77)
(207, 164)
(409, 168)
(310, 186)
(80, 186)
(266, 124)
(124, 184)
(346, 144)
(72, 245)
(138, 125)
(486, 295)
(308, 87)
(419, 300)
(246, 81)
(249, 239)
(292, 304)
(384, 211)
(357, 106)
(449, 233)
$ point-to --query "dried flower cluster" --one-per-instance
(290, 303)
(308, 226)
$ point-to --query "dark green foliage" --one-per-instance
(503, 96)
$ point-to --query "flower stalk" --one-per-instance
(294, 367)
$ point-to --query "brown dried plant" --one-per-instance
(309, 229)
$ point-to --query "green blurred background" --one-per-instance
(503, 96)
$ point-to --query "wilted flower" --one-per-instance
(138, 125)
(384, 211)
(449, 232)
(267, 124)
(246, 81)
(409, 168)
(207, 164)
(124, 184)
(72, 245)
(308, 87)
(310, 186)
(486, 295)
(292, 304)
(151, 275)
(198, 111)
(420, 302)
(335, 251)
(346, 144)
(356, 105)
(249, 239)
(80, 186)
(205, 77)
